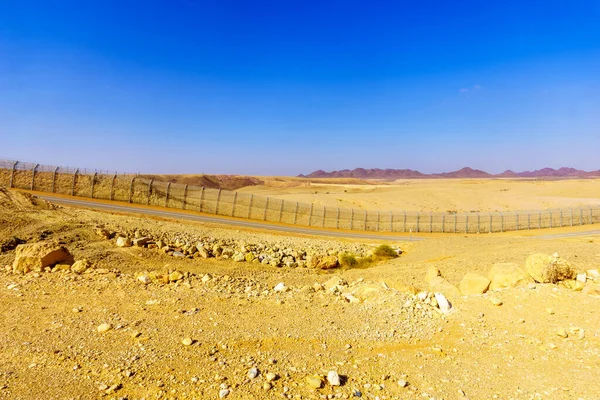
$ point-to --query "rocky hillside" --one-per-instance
(376, 173)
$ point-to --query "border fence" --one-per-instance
(132, 188)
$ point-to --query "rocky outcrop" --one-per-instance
(506, 275)
(473, 283)
(38, 256)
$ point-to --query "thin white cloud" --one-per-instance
(464, 90)
(477, 87)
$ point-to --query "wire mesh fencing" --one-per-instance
(132, 188)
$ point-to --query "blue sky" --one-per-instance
(287, 87)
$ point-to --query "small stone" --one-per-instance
(550, 311)
(187, 341)
(496, 301)
(267, 386)
(175, 276)
(253, 373)
(79, 267)
(103, 328)
(123, 242)
(280, 287)
(402, 383)
(223, 393)
(562, 332)
(443, 303)
(271, 377)
(314, 381)
(333, 378)
(582, 277)
(145, 279)
(136, 334)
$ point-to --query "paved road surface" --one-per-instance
(234, 222)
(571, 234)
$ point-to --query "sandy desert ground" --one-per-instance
(221, 330)
(426, 195)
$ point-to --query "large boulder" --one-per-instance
(324, 262)
(549, 269)
(37, 256)
(507, 275)
(440, 285)
(473, 283)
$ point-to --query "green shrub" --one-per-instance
(348, 260)
(385, 251)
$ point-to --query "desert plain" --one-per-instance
(161, 308)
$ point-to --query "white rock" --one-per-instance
(104, 328)
(223, 393)
(253, 373)
(333, 378)
(593, 273)
(145, 279)
(123, 242)
(271, 377)
(402, 383)
(422, 295)
(280, 287)
(582, 277)
(443, 303)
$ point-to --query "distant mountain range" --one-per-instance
(376, 173)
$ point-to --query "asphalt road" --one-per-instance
(76, 202)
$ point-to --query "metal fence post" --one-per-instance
(131, 190)
(352, 219)
(378, 220)
(540, 220)
(323, 219)
(430, 222)
(490, 222)
(74, 180)
(296, 213)
(337, 219)
(517, 220)
(280, 210)
(550, 212)
(455, 221)
(167, 195)
(201, 198)
(265, 210)
(250, 206)
(184, 201)
(149, 191)
(365, 224)
(466, 223)
(12, 174)
(591, 216)
(112, 187)
(418, 220)
(54, 179)
(478, 224)
(404, 225)
(571, 212)
(580, 216)
(233, 205)
(93, 184)
(218, 200)
(528, 220)
(391, 221)
(310, 214)
(501, 222)
(443, 222)
(33, 176)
